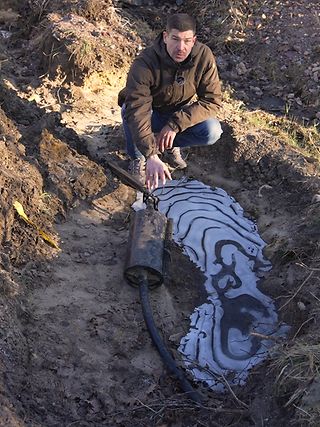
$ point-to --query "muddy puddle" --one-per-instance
(233, 330)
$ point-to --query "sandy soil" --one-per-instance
(74, 349)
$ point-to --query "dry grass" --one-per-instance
(296, 366)
(223, 23)
(99, 11)
(39, 8)
(163, 411)
(8, 17)
(303, 137)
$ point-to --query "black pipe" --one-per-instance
(146, 261)
(158, 342)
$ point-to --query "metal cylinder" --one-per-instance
(147, 240)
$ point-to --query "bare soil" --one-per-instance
(74, 349)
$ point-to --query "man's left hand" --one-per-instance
(165, 138)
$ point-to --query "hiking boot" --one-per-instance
(173, 158)
(137, 168)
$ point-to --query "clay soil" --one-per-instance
(74, 349)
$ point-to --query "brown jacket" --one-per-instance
(152, 84)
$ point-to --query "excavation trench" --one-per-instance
(88, 357)
(75, 350)
(84, 355)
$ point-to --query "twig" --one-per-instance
(297, 291)
(302, 410)
(262, 187)
(146, 406)
(264, 337)
(233, 393)
(60, 86)
(307, 267)
(314, 296)
(226, 382)
(304, 323)
(172, 404)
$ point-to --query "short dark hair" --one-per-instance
(181, 22)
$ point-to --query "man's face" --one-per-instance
(179, 44)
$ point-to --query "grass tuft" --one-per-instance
(303, 137)
(296, 366)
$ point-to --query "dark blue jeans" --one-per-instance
(204, 133)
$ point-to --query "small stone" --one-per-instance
(256, 90)
(316, 198)
(241, 69)
(301, 306)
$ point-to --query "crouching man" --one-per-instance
(170, 101)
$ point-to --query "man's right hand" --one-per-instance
(156, 171)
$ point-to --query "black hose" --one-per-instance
(158, 342)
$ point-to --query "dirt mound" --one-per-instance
(90, 37)
(22, 181)
(70, 176)
(76, 48)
